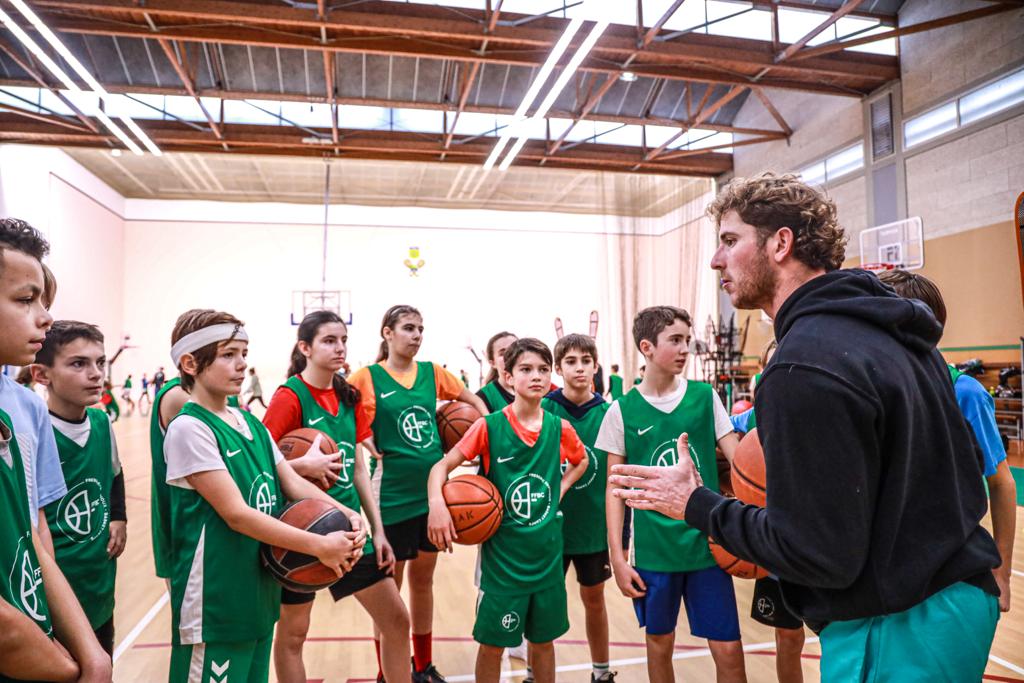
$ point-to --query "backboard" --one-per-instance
(899, 244)
(305, 301)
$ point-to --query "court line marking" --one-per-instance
(1009, 665)
(129, 639)
(632, 661)
(1017, 572)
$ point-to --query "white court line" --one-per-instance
(632, 661)
(1002, 662)
(129, 640)
(1021, 574)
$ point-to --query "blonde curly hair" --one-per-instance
(770, 201)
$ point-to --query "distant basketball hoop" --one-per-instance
(306, 301)
(898, 245)
(878, 267)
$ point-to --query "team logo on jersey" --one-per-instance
(588, 475)
(766, 607)
(510, 621)
(348, 465)
(83, 514)
(528, 500)
(261, 494)
(26, 582)
(416, 425)
(665, 455)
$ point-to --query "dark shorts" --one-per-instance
(592, 569)
(409, 537)
(365, 574)
(768, 608)
(105, 634)
(707, 594)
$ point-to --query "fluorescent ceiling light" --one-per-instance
(60, 74)
(557, 88)
(549, 65)
(82, 72)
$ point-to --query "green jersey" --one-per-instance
(21, 581)
(525, 555)
(341, 428)
(493, 396)
(405, 431)
(615, 386)
(660, 543)
(585, 530)
(80, 521)
(219, 590)
(159, 510)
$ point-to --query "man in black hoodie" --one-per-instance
(874, 490)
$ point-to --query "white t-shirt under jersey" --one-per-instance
(190, 447)
(612, 437)
(79, 433)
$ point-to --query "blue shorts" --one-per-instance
(707, 594)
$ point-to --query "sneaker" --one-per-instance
(606, 677)
(380, 678)
(519, 652)
(428, 675)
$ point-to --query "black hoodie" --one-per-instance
(874, 483)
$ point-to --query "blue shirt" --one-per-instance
(739, 422)
(43, 475)
(979, 409)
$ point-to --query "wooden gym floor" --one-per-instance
(340, 648)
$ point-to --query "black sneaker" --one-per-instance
(606, 677)
(380, 678)
(428, 675)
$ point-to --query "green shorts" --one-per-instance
(945, 639)
(502, 620)
(247, 660)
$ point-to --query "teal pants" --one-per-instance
(247, 661)
(945, 639)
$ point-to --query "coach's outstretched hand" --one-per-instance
(662, 489)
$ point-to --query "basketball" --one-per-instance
(297, 571)
(475, 506)
(741, 406)
(748, 472)
(733, 565)
(296, 443)
(453, 419)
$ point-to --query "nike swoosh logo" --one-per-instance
(505, 459)
(641, 432)
(234, 453)
(313, 422)
(387, 393)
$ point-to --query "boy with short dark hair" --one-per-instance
(39, 604)
(585, 538)
(521, 589)
(88, 523)
(669, 560)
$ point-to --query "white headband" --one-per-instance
(208, 335)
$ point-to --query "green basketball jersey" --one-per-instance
(954, 374)
(493, 396)
(525, 555)
(585, 530)
(233, 401)
(659, 542)
(21, 580)
(615, 386)
(159, 510)
(405, 431)
(341, 428)
(219, 590)
(80, 521)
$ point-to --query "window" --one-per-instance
(843, 162)
(981, 102)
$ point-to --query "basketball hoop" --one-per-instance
(878, 267)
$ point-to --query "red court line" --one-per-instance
(441, 639)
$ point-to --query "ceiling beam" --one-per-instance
(702, 115)
(845, 9)
(585, 110)
(26, 66)
(188, 84)
(831, 48)
(761, 95)
(431, 32)
(255, 139)
(886, 18)
(331, 94)
(652, 32)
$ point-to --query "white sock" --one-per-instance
(600, 669)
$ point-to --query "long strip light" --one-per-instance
(62, 76)
(82, 72)
(542, 76)
(556, 90)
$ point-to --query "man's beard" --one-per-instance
(758, 289)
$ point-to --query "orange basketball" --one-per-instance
(296, 443)
(475, 506)
(453, 419)
(748, 471)
(300, 572)
(733, 565)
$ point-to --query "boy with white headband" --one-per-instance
(227, 479)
